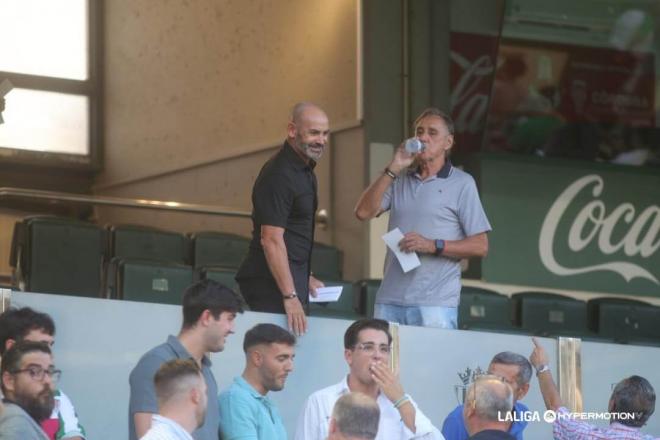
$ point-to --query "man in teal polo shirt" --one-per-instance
(245, 411)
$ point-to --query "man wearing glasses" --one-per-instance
(26, 324)
(28, 378)
(367, 344)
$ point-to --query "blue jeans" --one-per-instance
(425, 316)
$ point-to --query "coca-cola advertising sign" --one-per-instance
(570, 227)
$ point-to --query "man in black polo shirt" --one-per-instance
(275, 276)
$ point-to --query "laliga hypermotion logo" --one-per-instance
(594, 222)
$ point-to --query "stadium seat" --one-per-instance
(148, 280)
(223, 275)
(484, 309)
(344, 308)
(58, 255)
(326, 262)
(624, 320)
(143, 242)
(548, 314)
(366, 296)
(219, 249)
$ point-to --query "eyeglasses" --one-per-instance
(37, 373)
(370, 348)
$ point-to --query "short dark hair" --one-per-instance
(634, 395)
(511, 358)
(11, 359)
(209, 295)
(174, 376)
(267, 334)
(17, 323)
(352, 332)
(432, 111)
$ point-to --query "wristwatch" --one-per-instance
(291, 296)
(542, 369)
(439, 247)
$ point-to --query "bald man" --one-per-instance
(355, 416)
(487, 403)
(275, 276)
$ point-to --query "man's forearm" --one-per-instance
(278, 263)
(368, 206)
(473, 246)
(549, 391)
(407, 412)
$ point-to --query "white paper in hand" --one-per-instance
(407, 261)
(326, 294)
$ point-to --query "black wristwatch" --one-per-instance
(439, 246)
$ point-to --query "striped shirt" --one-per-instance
(163, 428)
(567, 428)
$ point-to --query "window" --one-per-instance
(48, 53)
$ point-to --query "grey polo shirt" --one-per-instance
(444, 206)
(143, 393)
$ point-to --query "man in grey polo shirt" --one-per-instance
(437, 208)
(209, 309)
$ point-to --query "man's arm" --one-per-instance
(272, 241)
(369, 203)
(473, 246)
(143, 402)
(549, 390)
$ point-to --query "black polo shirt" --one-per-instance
(284, 195)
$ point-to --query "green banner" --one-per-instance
(572, 225)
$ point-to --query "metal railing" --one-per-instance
(62, 197)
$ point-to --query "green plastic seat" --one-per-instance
(58, 255)
(219, 249)
(344, 308)
(144, 242)
(150, 281)
(624, 320)
(483, 309)
(326, 262)
(548, 314)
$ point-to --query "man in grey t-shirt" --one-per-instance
(209, 309)
(437, 208)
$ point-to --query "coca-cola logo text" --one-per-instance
(594, 222)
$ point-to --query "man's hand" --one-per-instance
(387, 381)
(401, 160)
(314, 284)
(413, 242)
(539, 356)
(295, 316)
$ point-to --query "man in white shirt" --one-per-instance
(367, 345)
(181, 392)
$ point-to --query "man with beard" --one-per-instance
(209, 310)
(367, 346)
(182, 401)
(245, 411)
(28, 377)
(437, 208)
(26, 324)
(275, 275)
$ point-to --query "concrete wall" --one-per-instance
(197, 96)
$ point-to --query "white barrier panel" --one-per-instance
(99, 341)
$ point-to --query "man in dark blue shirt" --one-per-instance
(275, 276)
(516, 371)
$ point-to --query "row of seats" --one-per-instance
(68, 256)
(57, 255)
(547, 314)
